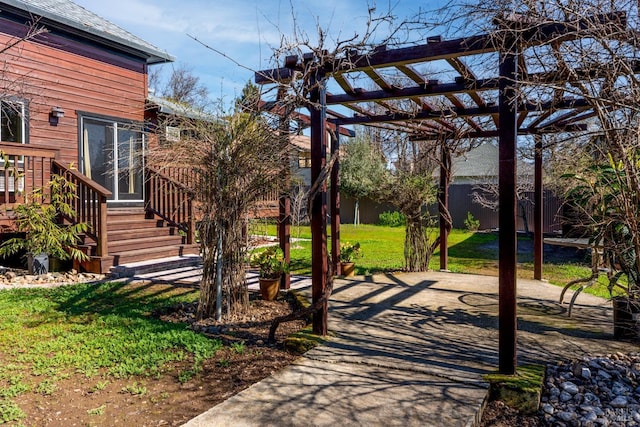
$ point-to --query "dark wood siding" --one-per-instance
(461, 202)
(46, 77)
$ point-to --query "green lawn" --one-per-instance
(100, 331)
(382, 249)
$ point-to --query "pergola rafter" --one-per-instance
(465, 107)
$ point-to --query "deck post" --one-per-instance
(538, 213)
(319, 202)
(335, 204)
(508, 212)
(101, 249)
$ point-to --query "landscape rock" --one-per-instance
(12, 277)
(593, 391)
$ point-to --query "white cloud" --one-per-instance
(244, 30)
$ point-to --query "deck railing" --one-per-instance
(90, 204)
(170, 199)
(23, 168)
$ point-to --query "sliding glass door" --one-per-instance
(112, 154)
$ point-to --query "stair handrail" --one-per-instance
(172, 201)
(90, 204)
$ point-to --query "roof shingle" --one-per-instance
(70, 14)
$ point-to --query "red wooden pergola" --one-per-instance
(467, 106)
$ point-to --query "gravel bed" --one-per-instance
(593, 391)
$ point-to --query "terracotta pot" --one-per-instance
(348, 269)
(269, 288)
(626, 312)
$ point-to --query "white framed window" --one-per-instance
(12, 130)
(172, 133)
(304, 159)
(12, 122)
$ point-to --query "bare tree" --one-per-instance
(486, 193)
(182, 86)
(592, 59)
(409, 186)
(298, 195)
(232, 164)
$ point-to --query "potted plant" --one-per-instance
(272, 265)
(42, 234)
(622, 258)
(607, 194)
(348, 254)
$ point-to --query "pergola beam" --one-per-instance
(567, 103)
(579, 127)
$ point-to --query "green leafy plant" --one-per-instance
(271, 263)
(606, 195)
(97, 411)
(186, 375)
(135, 389)
(239, 347)
(349, 252)
(101, 385)
(39, 218)
(9, 411)
(391, 219)
(471, 223)
(47, 387)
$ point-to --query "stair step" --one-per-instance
(133, 223)
(182, 265)
(142, 233)
(137, 255)
(149, 242)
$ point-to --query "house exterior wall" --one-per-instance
(56, 71)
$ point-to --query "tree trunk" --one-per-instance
(235, 296)
(416, 245)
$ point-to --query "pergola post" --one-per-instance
(319, 202)
(508, 129)
(538, 213)
(284, 198)
(443, 205)
(335, 204)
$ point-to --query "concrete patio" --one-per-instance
(411, 350)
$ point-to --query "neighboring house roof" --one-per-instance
(69, 15)
(166, 106)
(481, 163)
(301, 142)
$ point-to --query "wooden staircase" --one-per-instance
(133, 236)
(163, 228)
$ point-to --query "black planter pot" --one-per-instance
(38, 264)
(626, 312)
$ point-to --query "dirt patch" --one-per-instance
(102, 400)
(497, 414)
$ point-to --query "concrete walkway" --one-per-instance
(411, 350)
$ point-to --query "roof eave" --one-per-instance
(151, 56)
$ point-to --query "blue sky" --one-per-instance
(244, 30)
